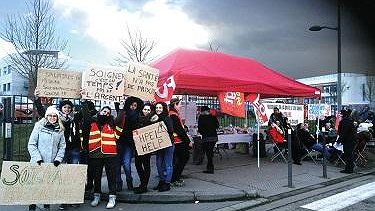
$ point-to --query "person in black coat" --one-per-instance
(207, 126)
(181, 142)
(346, 134)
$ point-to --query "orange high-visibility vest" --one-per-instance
(105, 139)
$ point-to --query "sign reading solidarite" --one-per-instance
(141, 81)
(25, 183)
(151, 138)
(59, 83)
(103, 84)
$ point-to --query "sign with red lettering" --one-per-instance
(151, 138)
(232, 103)
(259, 108)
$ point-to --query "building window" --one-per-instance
(8, 86)
(4, 87)
(9, 69)
(363, 92)
(5, 70)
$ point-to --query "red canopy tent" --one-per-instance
(206, 73)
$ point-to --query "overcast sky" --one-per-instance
(274, 32)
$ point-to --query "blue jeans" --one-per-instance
(164, 163)
(126, 160)
(72, 156)
(318, 147)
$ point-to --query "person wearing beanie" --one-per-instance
(346, 133)
(47, 142)
(207, 126)
(102, 148)
(181, 142)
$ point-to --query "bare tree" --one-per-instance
(214, 47)
(137, 48)
(33, 37)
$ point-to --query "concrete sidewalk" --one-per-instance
(236, 177)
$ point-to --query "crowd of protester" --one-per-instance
(101, 140)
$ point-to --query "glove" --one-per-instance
(39, 162)
(56, 163)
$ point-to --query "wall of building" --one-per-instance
(352, 84)
(11, 82)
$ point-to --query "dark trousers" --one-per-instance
(348, 156)
(84, 159)
(110, 164)
(180, 158)
(208, 148)
(142, 164)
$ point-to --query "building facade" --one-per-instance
(353, 89)
(11, 82)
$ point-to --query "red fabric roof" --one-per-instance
(206, 73)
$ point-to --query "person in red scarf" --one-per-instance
(181, 142)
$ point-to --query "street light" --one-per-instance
(338, 29)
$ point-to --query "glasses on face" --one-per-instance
(52, 116)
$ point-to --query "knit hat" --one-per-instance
(51, 110)
(66, 102)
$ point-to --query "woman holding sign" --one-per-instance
(164, 157)
(47, 142)
(181, 142)
(142, 162)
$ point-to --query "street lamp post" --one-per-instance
(338, 29)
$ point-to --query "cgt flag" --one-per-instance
(165, 92)
(259, 108)
(232, 103)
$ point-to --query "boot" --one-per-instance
(130, 185)
(165, 187)
(111, 202)
(158, 186)
(96, 200)
(140, 189)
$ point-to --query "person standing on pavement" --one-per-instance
(346, 133)
(181, 142)
(164, 157)
(126, 122)
(47, 142)
(103, 153)
(142, 162)
(207, 126)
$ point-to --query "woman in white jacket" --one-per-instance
(47, 142)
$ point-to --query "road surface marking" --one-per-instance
(344, 199)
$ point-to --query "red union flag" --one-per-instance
(259, 108)
(165, 92)
(232, 103)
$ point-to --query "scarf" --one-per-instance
(55, 126)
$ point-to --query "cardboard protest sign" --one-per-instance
(232, 103)
(59, 83)
(151, 138)
(102, 83)
(141, 81)
(27, 183)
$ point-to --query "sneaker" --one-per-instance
(62, 206)
(111, 202)
(164, 187)
(140, 190)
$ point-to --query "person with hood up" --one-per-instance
(47, 142)
(126, 122)
(207, 126)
